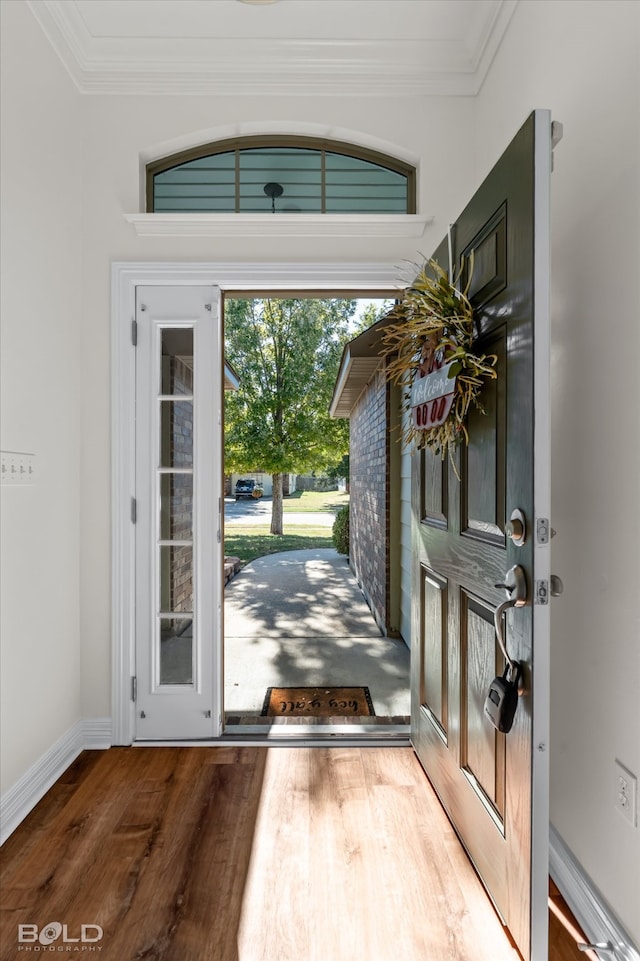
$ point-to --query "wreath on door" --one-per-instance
(428, 349)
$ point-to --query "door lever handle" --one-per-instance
(516, 587)
(604, 947)
(497, 621)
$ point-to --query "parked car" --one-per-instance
(244, 487)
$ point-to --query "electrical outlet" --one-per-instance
(626, 796)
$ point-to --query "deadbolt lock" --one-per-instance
(516, 528)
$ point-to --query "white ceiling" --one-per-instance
(302, 47)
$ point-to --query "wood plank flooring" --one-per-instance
(247, 854)
(564, 931)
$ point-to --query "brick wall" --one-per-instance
(181, 489)
(369, 493)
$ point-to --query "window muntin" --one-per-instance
(316, 177)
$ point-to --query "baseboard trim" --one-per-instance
(587, 904)
(97, 733)
(19, 801)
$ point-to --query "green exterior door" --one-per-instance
(493, 786)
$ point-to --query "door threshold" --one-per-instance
(320, 736)
(293, 732)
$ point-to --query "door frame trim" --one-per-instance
(541, 668)
(125, 277)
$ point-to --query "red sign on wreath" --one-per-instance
(432, 397)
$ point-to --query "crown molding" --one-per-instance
(278, 225)
(227, 67)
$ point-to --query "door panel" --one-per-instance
(482, 750)
(461, 547)
(435, 491)
(483, 461)
(434, 649)
(178, 547)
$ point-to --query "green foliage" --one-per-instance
(372, 313)
(340, 469)
(340, 530)
(247, 543)
(287, 354)
(312, 502)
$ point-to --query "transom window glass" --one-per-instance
(280, 175)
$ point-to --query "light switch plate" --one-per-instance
(17, 469)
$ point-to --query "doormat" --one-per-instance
(318, 702)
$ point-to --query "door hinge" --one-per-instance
(134, 688)
(134, 510)
(134, 333)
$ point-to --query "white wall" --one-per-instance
(41, 259)
(581, 60)
(118, 130)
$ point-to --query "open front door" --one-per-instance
(179, 555)
(494, 786)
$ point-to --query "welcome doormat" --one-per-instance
(318, 702)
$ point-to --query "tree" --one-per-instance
(340, 469)
(287, 354)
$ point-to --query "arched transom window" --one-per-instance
(280, 175)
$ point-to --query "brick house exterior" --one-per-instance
(369, 480)
(181, 487)
(178, 577)
(363, 395)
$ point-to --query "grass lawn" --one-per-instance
(247, 543)
(303, 501)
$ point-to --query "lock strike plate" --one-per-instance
(542, 592)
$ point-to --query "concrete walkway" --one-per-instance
(299, 619)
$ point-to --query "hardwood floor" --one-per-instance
(564, 931)
(247, 854)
